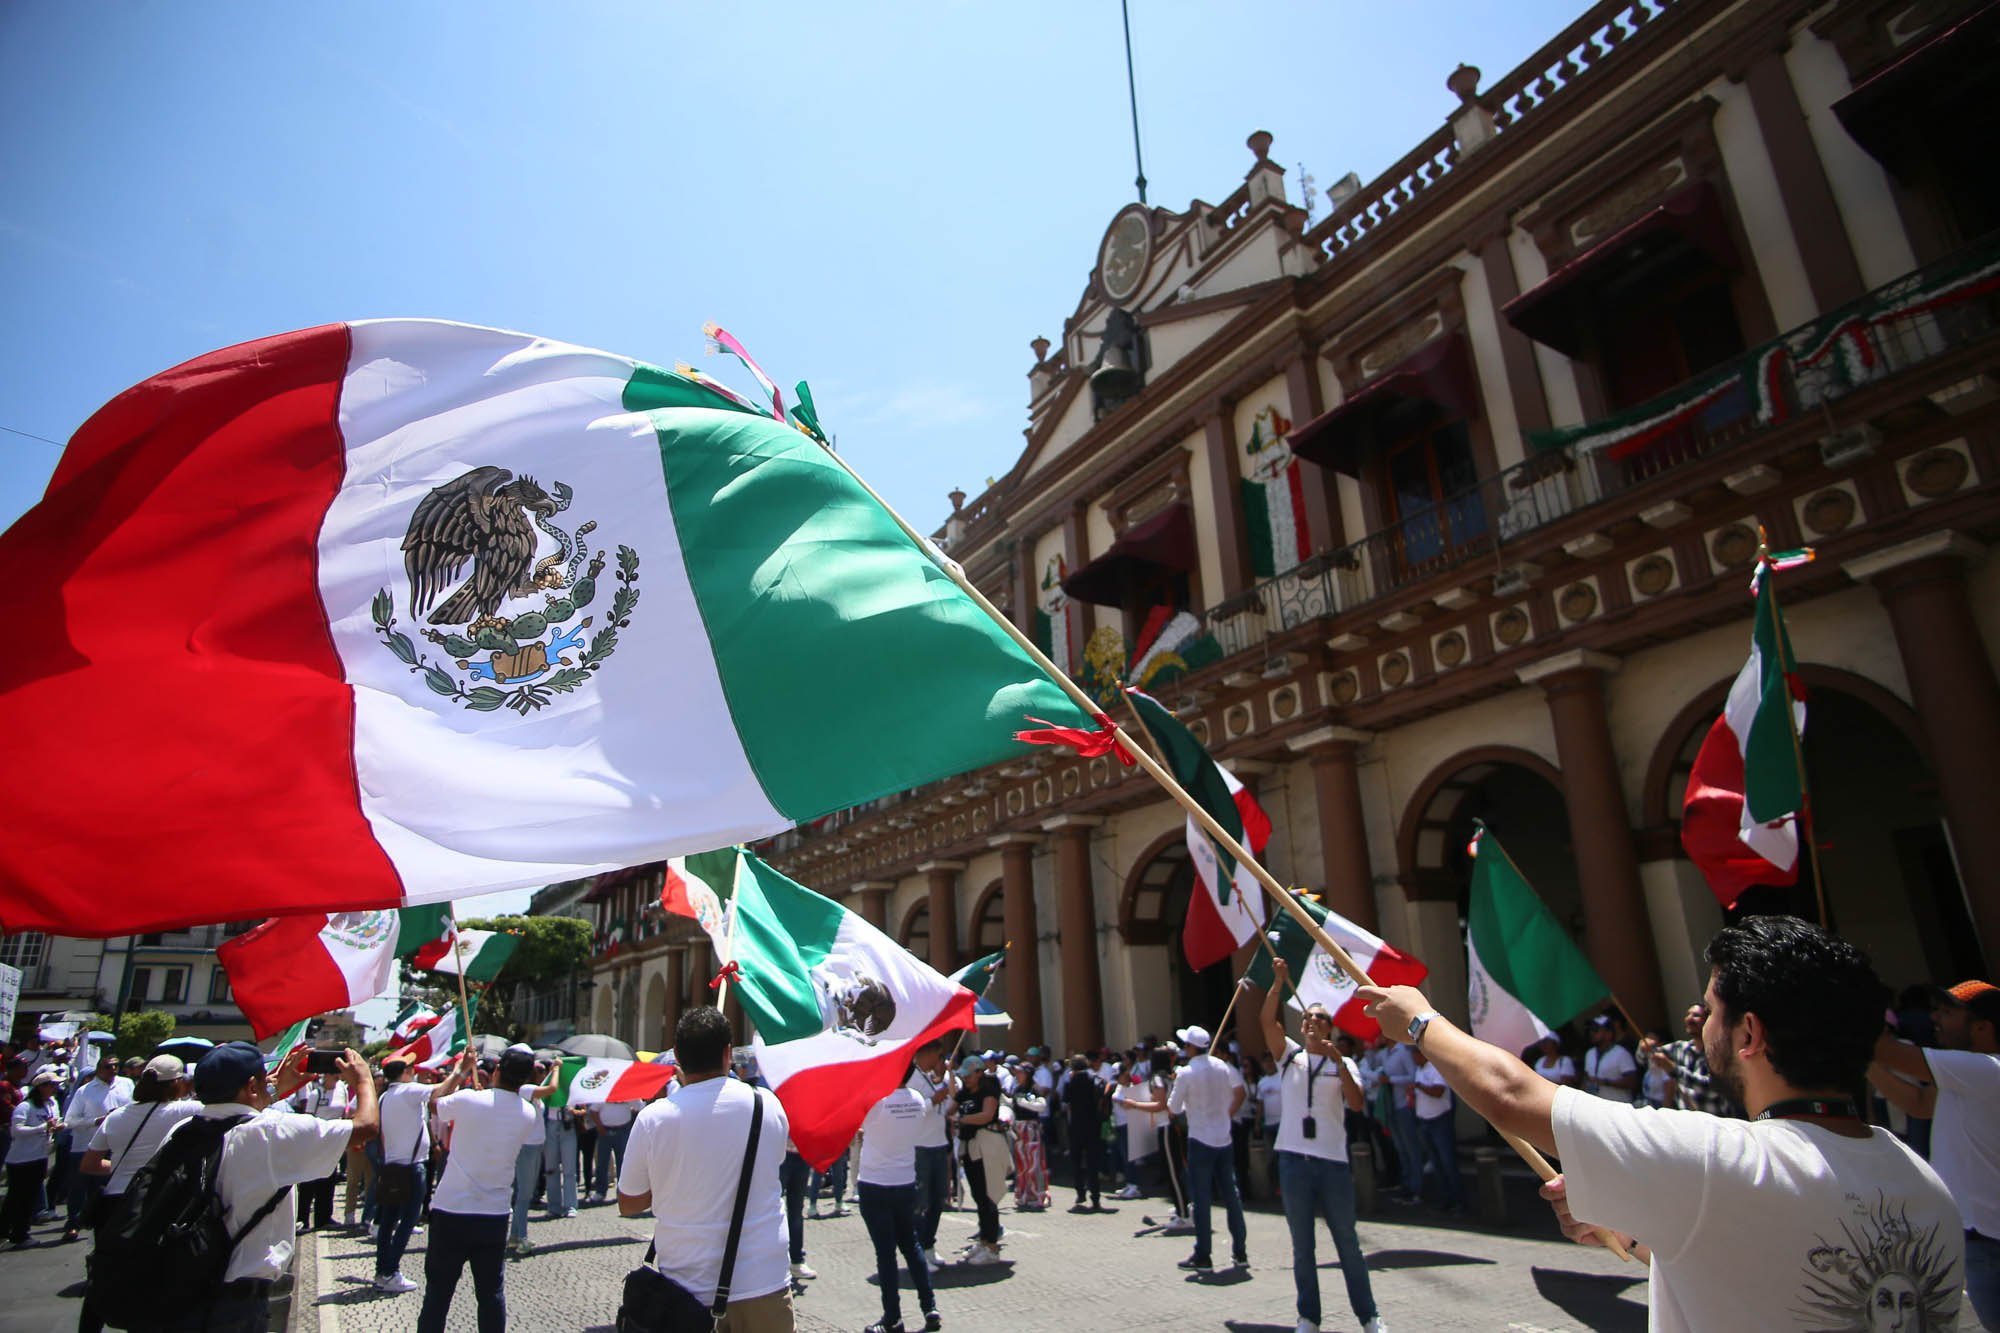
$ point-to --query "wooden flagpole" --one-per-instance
(464, 1004)
(1154, 769)
(1803, 819)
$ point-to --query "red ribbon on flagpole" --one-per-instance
(1088, 744)
(730, 972)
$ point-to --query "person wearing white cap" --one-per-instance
(1209, 1093)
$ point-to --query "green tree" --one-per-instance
(140, 1033)
(552, 948)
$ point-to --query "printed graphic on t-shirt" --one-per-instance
(1880, 1273)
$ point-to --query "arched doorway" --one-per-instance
(1168, 993)
(1892, 885)
(654, 1028)
(628, 1006)
(989, 922)
(1518, 796)
(916, 932)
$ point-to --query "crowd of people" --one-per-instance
(1746, 1159)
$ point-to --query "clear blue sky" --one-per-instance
(889, 201)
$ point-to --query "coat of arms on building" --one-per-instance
(525, 655)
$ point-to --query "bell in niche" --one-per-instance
(1118, 373)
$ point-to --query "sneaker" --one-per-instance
(930, 1257)
(814, 1214)
(417, 1230)
(1239, 1261)
(1306, 1326)
(1200, 1263)
(884, 1326)
(933, 1321)
(524, 1246)
(981, 1253)
(1129, 1192)
(840, 1210)
(394, 1283)
(801, 1271)
(1177, 1225)
(1375, 1325)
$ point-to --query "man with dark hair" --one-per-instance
(683, 1161)
(1801, 1215)
(468, 1223)
(1958, 1089)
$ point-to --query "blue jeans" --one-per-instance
(527, 1170)
(1314, 1188)
(372, 1150)
(1212, 1175)
(792, 1175)
(1403, 1132)
(559, 1160)
(611, 1142)
(933, 1191)
(458, 1239)
(83, 1190)
(1982, 1278)
(890, 1214)
(392, 1230)
(836, 1176)
(1440, 1148)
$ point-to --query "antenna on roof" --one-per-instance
(1132, 87)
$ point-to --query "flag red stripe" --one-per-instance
(827, 1103)
(171, 581)
(1391, 967)
(1256, 824)
(1205, 939)
(432, 952)
(280, 973)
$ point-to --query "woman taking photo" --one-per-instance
(887, 1180)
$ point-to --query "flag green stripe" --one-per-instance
(1257, 529)
(418, 926)
(853, 666)
(1197, 772)
(1293, 944)
(1770, 765)
(1522, 946)
(782, 931)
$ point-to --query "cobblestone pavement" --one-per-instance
(1065, 1271)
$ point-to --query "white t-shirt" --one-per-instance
(488, 1127)
(1270, 1097)
(405, 1131)
(1771, 1224)
(130, 1137)
(1203, 1094)
(272, 1150)
(1428, 1107)
(541, 1134)
(687, 1152)
(1614, 1061)
(1142, 1128)
(30, 1136)
(890, 1134)
(1310, 1086)
(1557, 1069)
(617, 1115)
(321, 1103)
(936, 1132)
(1965, 1134)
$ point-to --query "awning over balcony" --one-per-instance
(1163, 543)
(1557, 310)
(1944, 87)
(1438, 373)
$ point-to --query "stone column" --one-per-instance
(1343, 835)
(872, 901)
(1024, 956)
(1083, 990)
(944, 913)
(1922, 585)
(1618, 935)
(1225, 471)
(676, 985)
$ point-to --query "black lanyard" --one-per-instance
(1312, 1072)
(1793, 1108)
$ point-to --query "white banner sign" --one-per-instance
(10, 995)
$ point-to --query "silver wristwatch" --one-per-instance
(1419, 1023)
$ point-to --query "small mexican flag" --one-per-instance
(288, 1041)
(592, 1082)
(976, 976)
(838, 1005)
(1739, 823)
(1526, 976)
(1226, 909)
(300, 966)
(436, 1042)
(416, 1016)
(697, 887)
(480, 596)
(478, 954)
(1318, 979)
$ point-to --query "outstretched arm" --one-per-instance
(1493, 1082)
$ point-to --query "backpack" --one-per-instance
(164, 1237)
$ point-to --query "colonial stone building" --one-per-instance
(1465, 479)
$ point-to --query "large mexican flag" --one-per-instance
(1525, 974)
(838, 1005)
(389, 612)
(1739, 821)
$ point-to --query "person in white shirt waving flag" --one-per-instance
(1801, 1216)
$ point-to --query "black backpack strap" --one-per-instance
(721, 1301)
